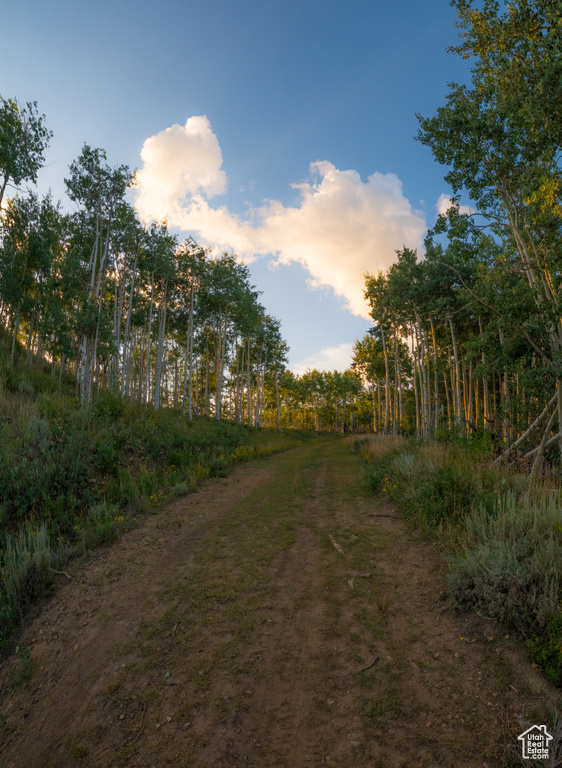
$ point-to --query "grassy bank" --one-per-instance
(71, 477)
(503, 536)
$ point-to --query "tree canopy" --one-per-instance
(23, 141)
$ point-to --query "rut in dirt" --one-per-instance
(274, 618)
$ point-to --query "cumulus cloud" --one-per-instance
(340, 228)
(445, 202)
(328, 359)
(179, 163)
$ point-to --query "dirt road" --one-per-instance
(273, 618)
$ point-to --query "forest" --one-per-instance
(466, 338)
(125, 307)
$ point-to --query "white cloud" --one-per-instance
(328, 359)
(341, 227)
(179, 163)
(445, 202)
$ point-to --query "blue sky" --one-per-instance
(282, 86)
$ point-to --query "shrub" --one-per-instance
(446, 494)
(510, 563)
(546, 649)
(106, 455)
(108, 404)
(435, 482)
(26, 574)
(179, 489)
(102, 525)
(122, 490)
(378, 454)
(54, 406)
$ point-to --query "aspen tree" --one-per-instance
(501, 139)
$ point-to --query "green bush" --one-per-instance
(54, 406)
(122, 490)
(546, 649)
(41, 381)
(431, 484)
(102, 525)
(447, 493)
(108, 404)
(378, 454)
(375, 475)
(434, 482)
(26, 573)
(179, 489)
(106, 455)
(11, 379)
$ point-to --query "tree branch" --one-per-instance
(497, 312)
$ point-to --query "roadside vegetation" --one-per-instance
(74, 476)
(464, 358)
(501, 533)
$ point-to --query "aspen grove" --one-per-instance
(468, 337)
(127, 307)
